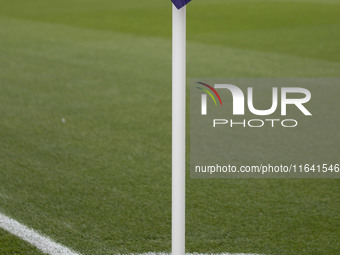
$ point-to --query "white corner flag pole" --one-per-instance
(178, 129)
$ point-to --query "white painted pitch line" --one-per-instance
(43, 243)
(164, 253)
(48, 246)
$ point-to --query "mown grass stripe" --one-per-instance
(47, 245)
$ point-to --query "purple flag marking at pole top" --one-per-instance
(180, 3)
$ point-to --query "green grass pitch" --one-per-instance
(100, 182)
